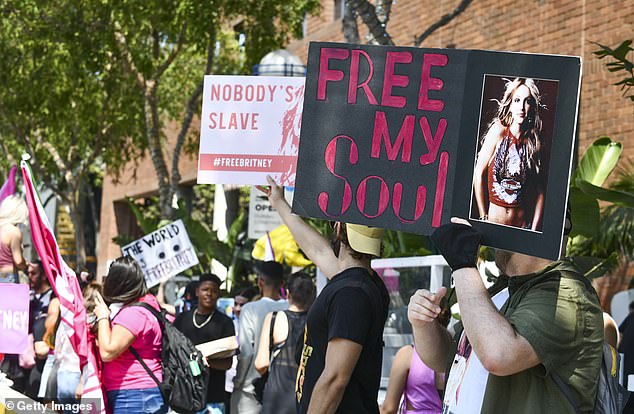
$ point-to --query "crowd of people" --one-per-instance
(128, 340)
(538, 327)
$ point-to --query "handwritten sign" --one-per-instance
(390, 138)
(14, 318)
(249, 128)
(163, 253)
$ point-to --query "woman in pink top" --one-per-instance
(416, 382)
(129, 387)
(13, 212)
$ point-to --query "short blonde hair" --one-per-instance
(13, 211)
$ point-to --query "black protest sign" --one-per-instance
(391, 138)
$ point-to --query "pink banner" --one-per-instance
(14, 318)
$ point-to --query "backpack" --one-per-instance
(611, 395)
(184, 385)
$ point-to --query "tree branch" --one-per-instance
(127, 56)
(174, 52)
(385, 8)
(445, 19)
(59, 162)
(350, 27)
(368, 15)
(192, 104)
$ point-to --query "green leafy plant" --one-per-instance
(594, 168)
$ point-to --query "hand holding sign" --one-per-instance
(458, 242)
(274, 192)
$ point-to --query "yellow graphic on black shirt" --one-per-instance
(307, 351)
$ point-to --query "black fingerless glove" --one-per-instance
(458, 243)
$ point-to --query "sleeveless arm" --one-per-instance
(491, 140)
(262, 358)
(398, 380)
(16, 249)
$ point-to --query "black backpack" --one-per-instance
(611, 395)
(184, 385)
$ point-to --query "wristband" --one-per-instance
(99, 319)
(458, 243)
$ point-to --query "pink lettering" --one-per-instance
(325, 74)
(391, 80)
(330, 157)
(384, 196)
(354, 84)
(382, 135)
(427, 83)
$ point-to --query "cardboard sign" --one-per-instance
(219, 348)
(391, 138)
(249, 128)
(163, 253)
(14, 318)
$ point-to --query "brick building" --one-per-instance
(565, 27)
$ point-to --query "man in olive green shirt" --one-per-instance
(546, 322)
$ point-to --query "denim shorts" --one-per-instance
(147, 400)
(67, 383)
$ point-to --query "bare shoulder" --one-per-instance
(11, 230)
(405, 353)
(11, 234)
(496, 129)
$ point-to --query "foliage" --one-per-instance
(268, 25)
(614, 238)
(594, 168)
(60, 102)
(166, 48)
(603, 238)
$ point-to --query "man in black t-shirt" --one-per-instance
(340, 366)
(203, 324)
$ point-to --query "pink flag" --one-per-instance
(65, 285)
(8, 188)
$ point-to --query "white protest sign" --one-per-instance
(163, 253)
(250, 129)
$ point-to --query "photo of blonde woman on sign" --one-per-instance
(511, 166)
